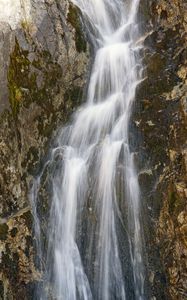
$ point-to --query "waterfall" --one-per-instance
(94, 247)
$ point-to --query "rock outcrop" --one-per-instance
(43, 63)
(162, 123)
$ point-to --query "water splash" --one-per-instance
(94, 234)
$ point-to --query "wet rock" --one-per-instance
(162, 101)
(41, 83)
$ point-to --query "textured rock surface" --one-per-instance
(162, 123)
(43, 60)
(43, 63)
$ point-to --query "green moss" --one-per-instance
(74, 20)
(3, 231)
(23, 75)
(17, 76)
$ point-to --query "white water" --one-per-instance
(90, 215)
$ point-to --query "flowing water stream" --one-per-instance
(94, 234)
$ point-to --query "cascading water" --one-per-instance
(94, 248)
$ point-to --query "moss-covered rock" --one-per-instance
(74, 19)
(43, 75)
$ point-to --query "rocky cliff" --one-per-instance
(43, 62)
(43, 65)
(161, 118)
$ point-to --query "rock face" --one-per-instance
(161, 118)
(43, 63)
